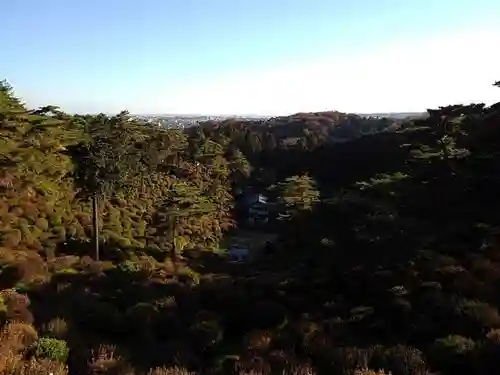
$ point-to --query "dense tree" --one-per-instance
(34, 168)
(389, 259)
(107, 161)
(185, 203)
(298, 193)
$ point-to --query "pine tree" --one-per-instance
(298, 193)
(107, 160)
(34, 167)
(184, 204)
(441, 134)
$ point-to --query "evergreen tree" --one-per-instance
(107, 160)
(298, 193)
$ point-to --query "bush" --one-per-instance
(16, 366)
(258, 340)
(12, 238)
(21, 287)
(59, 232)
(65, 261)
(370, 372)
(24, 226)
(55, 220)
(142, 313)
(56, 328)
(53, 349)
(67, 271)
(493, 336)
(453, 345)
(299, 369)
(87, 264)
(187, 275)
(3, 307)
(128, 267)
(30, 266)
(345, 360)
(16, 306)
(17, 336)
(43, 367)
(399, 360)
(206, 333)
(124, 242)
(105, 360)
(169, 371)
(146, 266)
(452, 353)
(42, 223)
(478, 315)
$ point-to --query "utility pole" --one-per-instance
(95, 223)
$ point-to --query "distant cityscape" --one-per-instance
(185, 121)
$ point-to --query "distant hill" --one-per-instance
(396, 115)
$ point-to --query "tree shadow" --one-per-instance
(218, 324)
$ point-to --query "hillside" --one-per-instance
(396, 115)
(379, 250)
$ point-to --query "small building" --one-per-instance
(257, 208)
(252, 199)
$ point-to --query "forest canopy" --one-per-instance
(373, 243)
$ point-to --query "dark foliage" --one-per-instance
(380, 250)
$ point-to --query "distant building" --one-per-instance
(254, 198)
(258, 208)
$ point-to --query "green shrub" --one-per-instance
(479, 315)
(141, 314)
(60, 233)
(12, 238)
(128, 266)
(21, 287)
(24, 226)
(67, 271)
(127, 224)
(206, 333)
(36, 232)
(399, 360)
(16, 211)
(452, 354)
(452, 345)
(42, 223)
(80, 230)
(345, 360)
(55, 220)
(493, 336)
(54, 349)
(3, 307)
(137, 244)
(114, 213)
(30, 210)
(71, 231)
(141, 228)
(124, 242)
(188, 275)
(84, 219)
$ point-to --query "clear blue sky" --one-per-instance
(245, 56)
